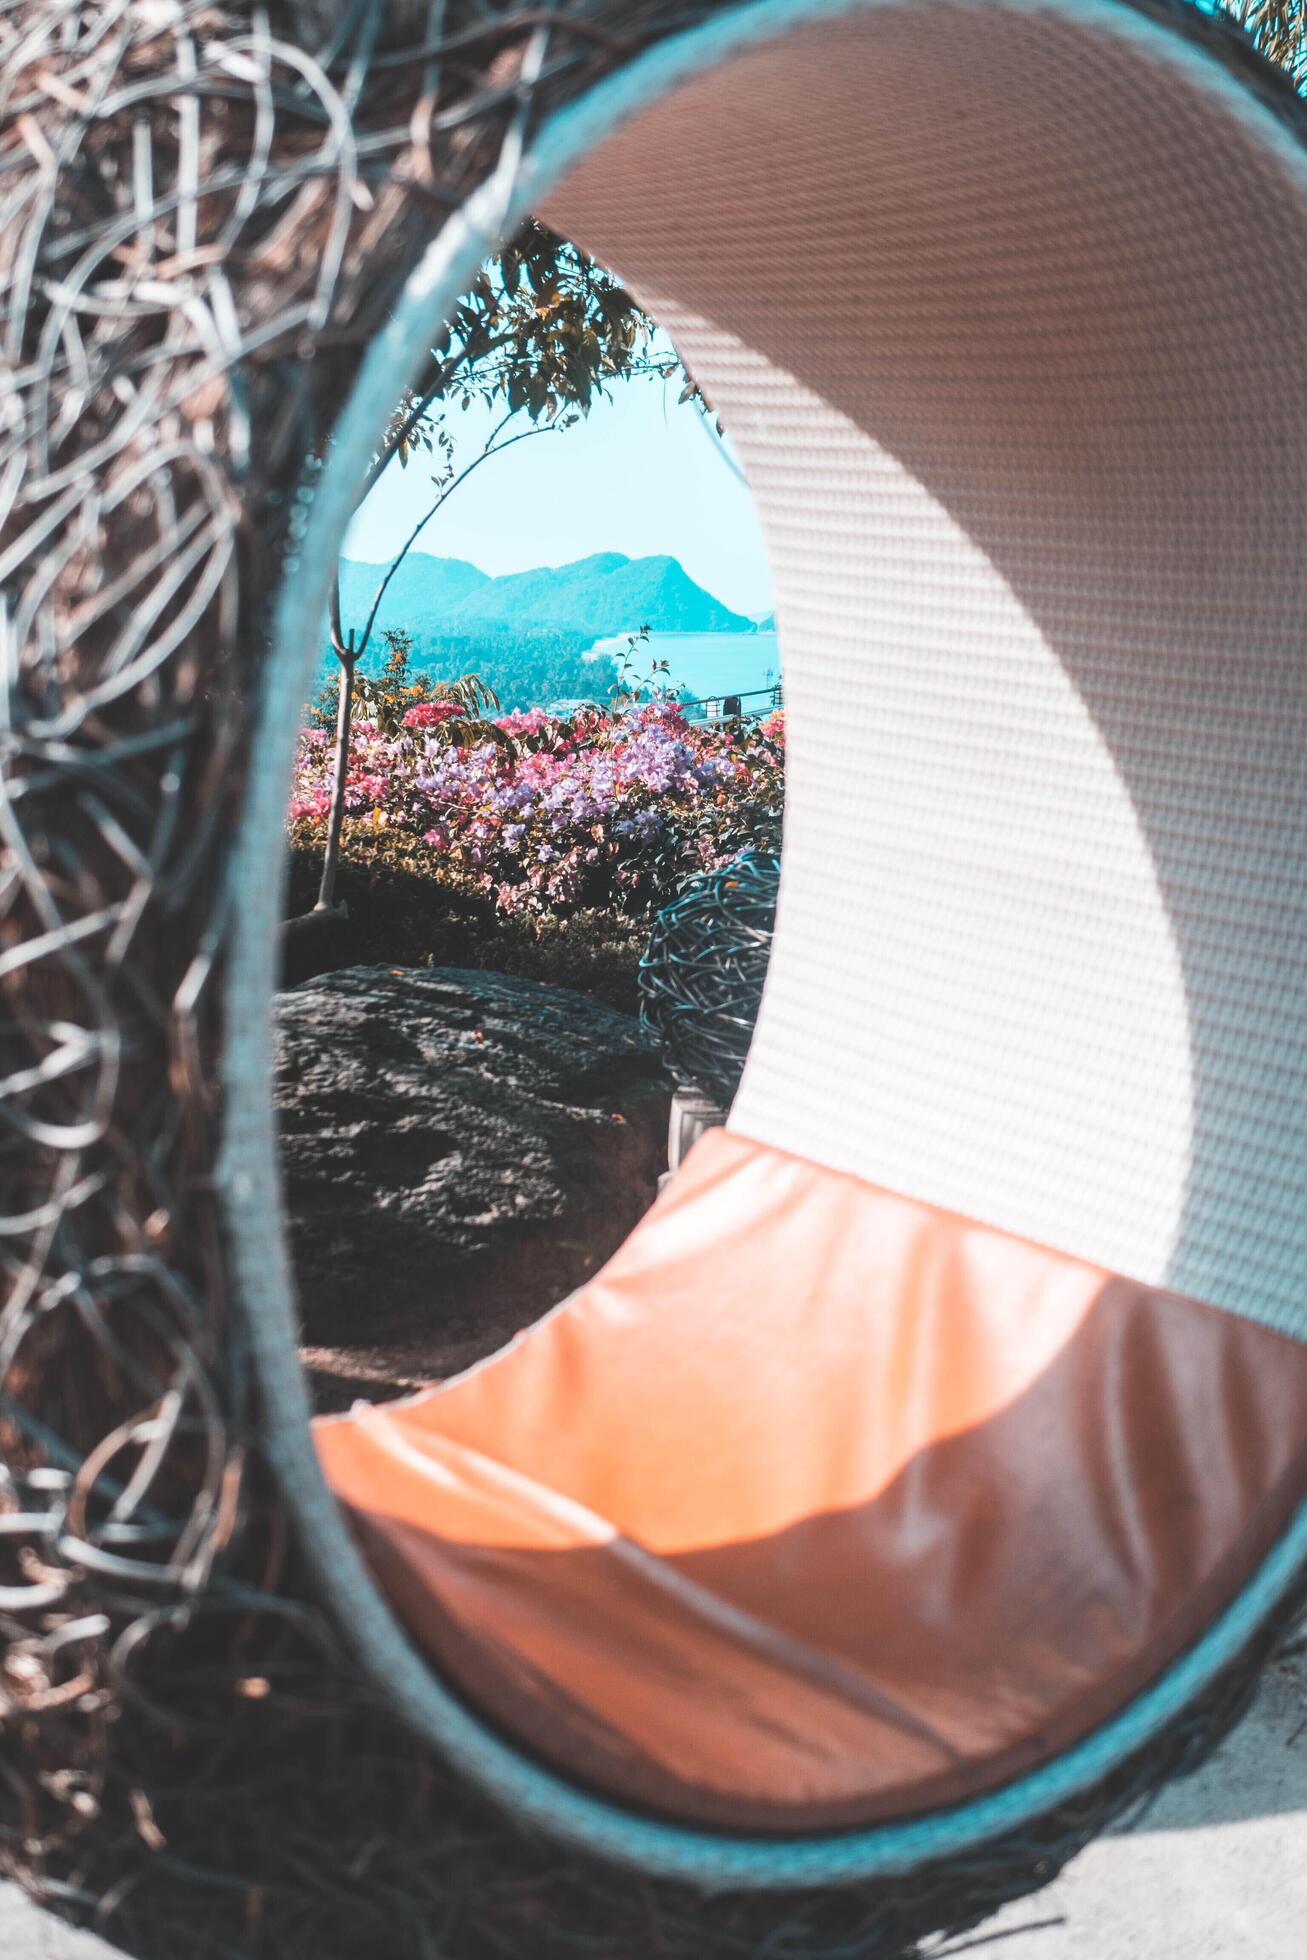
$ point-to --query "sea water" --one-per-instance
(709, 665)
(702, 666)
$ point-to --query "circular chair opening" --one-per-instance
(886, 1424)
(462, 1147)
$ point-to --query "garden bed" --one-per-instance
(396, 916)
(534, 846)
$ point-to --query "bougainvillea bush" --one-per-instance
(600, 812)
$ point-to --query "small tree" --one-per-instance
(541, 335)
(631, 686)
(387, 700)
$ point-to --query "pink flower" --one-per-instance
(430, 714)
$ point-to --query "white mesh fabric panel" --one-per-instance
(1006, 311)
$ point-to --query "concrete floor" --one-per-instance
(1217, 1870)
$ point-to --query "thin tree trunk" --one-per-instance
(349, 651)
(340, 776)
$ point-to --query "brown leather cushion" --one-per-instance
(818, 1506)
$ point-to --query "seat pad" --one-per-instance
(818, 1506)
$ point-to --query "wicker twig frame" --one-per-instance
(702, 974)
(208, 214)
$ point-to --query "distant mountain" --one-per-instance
(600, 596)
(421, 597)
(531, 635)
(592, 599)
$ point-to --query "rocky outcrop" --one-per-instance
(460, 1150)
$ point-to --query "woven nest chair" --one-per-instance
(925, 1479)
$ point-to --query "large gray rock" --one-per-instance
(461, 1149)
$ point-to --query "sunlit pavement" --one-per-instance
(1216, 1871)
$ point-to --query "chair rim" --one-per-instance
(248, 1175)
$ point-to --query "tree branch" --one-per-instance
(493, 448)
(417, 414)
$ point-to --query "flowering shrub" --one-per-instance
(553, 816)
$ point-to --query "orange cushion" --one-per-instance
(818, 1506)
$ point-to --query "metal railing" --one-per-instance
(730, 707)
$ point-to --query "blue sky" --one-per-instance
(638, 475)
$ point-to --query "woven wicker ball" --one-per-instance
(702, 974)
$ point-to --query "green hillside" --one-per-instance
(599, 596)
(420, 597)
(596, 597)
(526, 633)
